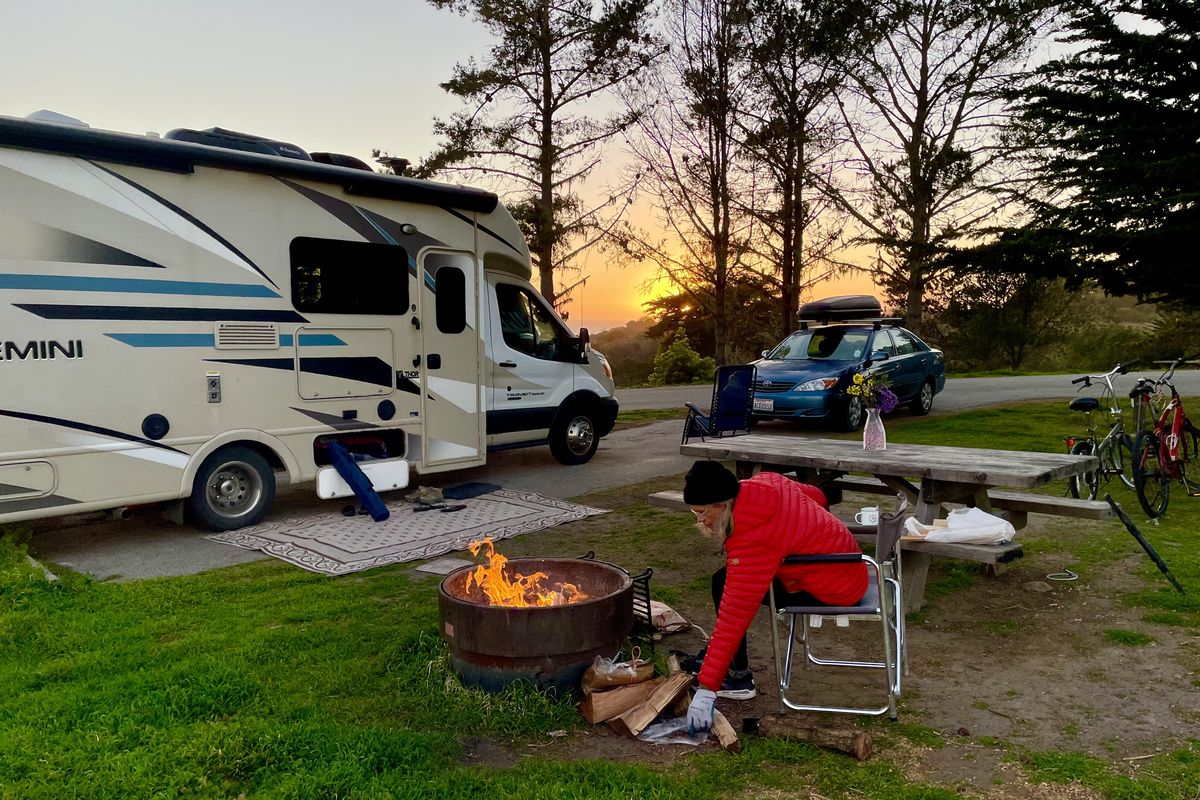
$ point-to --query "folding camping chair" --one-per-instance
(882, 604)
(733, 395)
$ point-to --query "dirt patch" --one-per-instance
(997, 667)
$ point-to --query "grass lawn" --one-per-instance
(266, 681)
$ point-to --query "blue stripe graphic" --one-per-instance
(80, 283)
(209, 340)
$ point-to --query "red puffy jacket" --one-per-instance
(774, 516)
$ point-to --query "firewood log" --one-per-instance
(726, 736)
(854, 741)
(603, 706)
(635, 720)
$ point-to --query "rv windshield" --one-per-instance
(826, 344)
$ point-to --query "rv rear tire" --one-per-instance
(233, 488)
(573, 438)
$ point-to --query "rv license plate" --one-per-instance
(764, 404)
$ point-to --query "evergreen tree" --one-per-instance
(1121, 116)
(530, 119)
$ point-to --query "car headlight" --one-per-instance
(817, 385)
(605, 366)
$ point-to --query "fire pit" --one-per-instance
(493, 646)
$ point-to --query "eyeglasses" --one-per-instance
(700, 511)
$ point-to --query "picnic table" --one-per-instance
(943, 474)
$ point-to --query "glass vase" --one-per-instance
(874, 436)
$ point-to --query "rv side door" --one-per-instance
(451, 359)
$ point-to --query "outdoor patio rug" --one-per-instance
(328, 542)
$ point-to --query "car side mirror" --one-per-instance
(765, 353)
(878, 355)
(585, 338)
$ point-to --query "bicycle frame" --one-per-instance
(1115, 450)
(1162, 454)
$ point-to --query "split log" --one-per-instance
(673, 664)
(854, 741)
(603, 706)
(726, 736)
(635, 720)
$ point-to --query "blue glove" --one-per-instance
(700, 712)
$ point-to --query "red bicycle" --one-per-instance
(1164, 453)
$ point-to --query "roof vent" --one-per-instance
(219, 137)
(45, 115)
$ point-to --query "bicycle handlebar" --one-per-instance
(1119, 369)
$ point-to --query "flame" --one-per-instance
(523, 592)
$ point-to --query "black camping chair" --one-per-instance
(733, 396)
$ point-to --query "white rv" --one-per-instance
(199, 316)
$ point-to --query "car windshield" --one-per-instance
(827, 344)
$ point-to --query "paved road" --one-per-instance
(149, 546)
(959, 394)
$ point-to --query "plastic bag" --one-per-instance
(667, 619)
(969, 525)
(672, 731)
(604, 672)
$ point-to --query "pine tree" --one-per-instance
(1122, 116)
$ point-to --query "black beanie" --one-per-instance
(709, 482)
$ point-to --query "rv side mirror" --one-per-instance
(765, 353)
(579, 346)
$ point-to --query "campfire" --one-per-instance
(521, 591)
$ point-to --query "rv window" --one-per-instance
(333, 276)
(451, 299)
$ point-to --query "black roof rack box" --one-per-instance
(845, 307)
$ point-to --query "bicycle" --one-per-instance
(1114, 451)
(1163, 453)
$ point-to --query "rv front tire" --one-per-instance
(233, 488)
(573, 438)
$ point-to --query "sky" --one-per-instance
(347, 77)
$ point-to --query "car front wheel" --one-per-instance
(852, 415)
(922, 404)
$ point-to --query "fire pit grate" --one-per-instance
(643, 619)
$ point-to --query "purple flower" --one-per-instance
(886, 400)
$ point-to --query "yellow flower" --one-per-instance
(858, 378)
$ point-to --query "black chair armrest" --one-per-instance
(694, 408)
(824, 558)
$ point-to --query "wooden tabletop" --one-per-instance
(967, 465)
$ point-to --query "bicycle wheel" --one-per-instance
(1085, 484)
(1151, 483)
(1190, 453)
(1121, 454)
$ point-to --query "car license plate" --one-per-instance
(764, 404)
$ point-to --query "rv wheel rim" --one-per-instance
(580, 435)
(234, 489)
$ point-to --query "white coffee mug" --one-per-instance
(868, 516)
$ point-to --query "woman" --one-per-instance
(761, 520)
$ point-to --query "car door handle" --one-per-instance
(508, 363)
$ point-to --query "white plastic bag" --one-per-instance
(967, 525)
(672, 731)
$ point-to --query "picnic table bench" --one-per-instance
(945, 475)
(865, 535)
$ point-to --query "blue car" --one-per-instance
(805, 376)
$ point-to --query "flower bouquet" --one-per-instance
(874, 391)
(878, 399)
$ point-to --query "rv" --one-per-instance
(201, 316)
